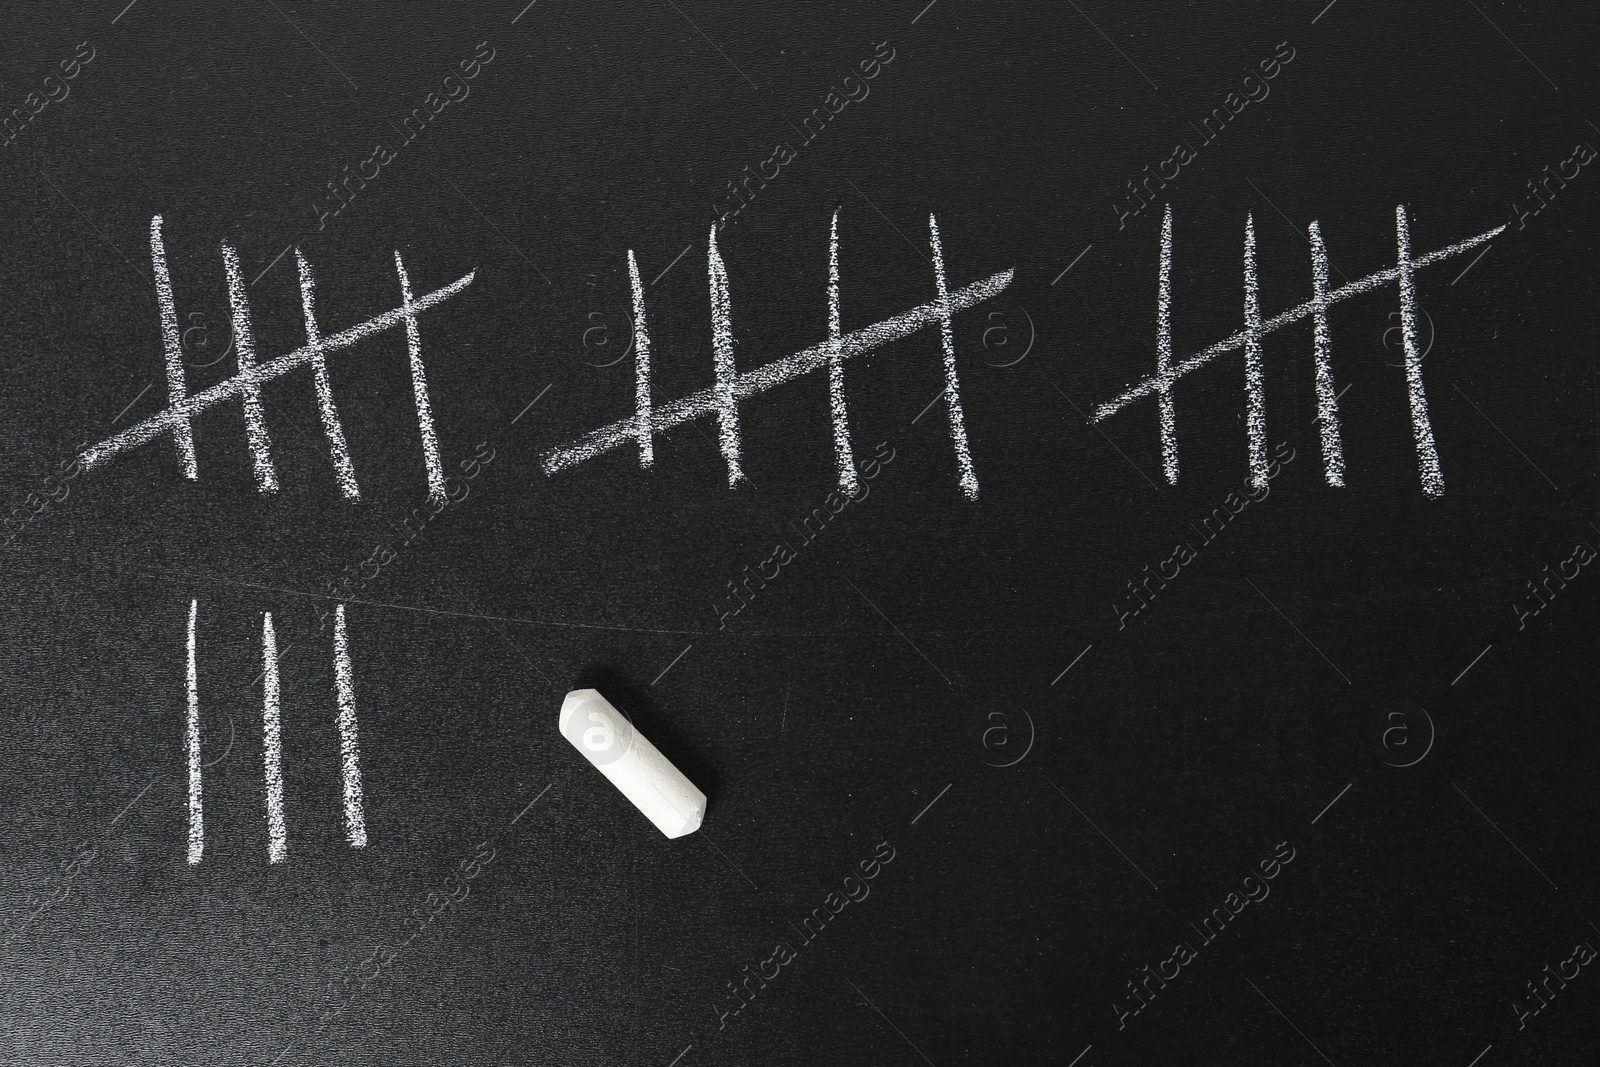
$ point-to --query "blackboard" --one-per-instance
(1058, 738)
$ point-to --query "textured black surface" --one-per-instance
(906, 651)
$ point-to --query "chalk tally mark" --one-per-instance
(641, 368)
(272, 744)
(1322, 343)
(730, 386)
(1168, 414)
(844, 456)
(355, 824)
(252, 375)
(197, 826)
(255, 421)
(1255, 329)
(172, 344)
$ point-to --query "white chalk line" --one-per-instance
(1155, 383)
(344, 472)
(1254, 386)
(642, 397)
(1421, 426)
(255, 421)
(259, 374)
(1168, 414)
(419, 386)
(197, 832)
(952, 385)
(177, 389)
(753, 383)
(641, 367)
(272, 744)
(843, 455)
(355, 822)
(1327, 399)
(722, 360)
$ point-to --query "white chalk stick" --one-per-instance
(631, 763)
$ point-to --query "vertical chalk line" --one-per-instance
(419, 385)
(355, 822)
(343, 471)
(244, 345)
(641, 368)
(722, 361)
(1169, 420)
(197, 831)
(1421, 428)
(1327, 399)
(1255, 400)
(272, 744)
(842, 452)
(952, 385)
(177, 389)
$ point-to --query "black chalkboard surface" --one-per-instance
(1100, 498)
